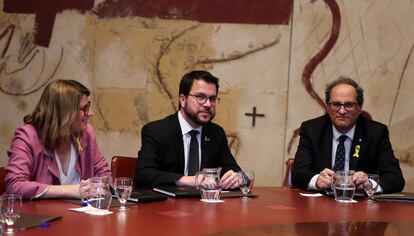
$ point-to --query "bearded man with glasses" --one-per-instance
(343, 139)
(174, 148)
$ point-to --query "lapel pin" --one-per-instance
(78, 143)
(206, 139)
(357, 148)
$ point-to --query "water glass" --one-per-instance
(208, 181)
(123, 189)
(10, 210)
(344, 186)
(84, 191)
(371, 186)
(246, 182)
(99, 194)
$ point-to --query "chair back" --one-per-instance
(2, 178)
(287, 181)
(122, 166)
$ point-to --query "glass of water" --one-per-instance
(99, 195)
(10, 210)
(84, 191)
(344, 186)
(123, 189)
(246, 182)
(371, 186)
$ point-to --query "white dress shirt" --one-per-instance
(335, 140)
(185, 129)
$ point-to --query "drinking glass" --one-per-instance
(344, 187)
(123, 189)
(337, 175)
(371, 186)
(99, 194)
(208, 181)
(84, 191)
(246, 182)
(10, 210)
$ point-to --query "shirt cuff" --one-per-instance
(312, 183)
(379, 189)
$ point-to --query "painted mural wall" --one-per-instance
(273, 58)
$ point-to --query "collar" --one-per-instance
(185, 126)
(349, 134)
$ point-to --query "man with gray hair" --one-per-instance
(343, 139)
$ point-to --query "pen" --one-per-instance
(45, 224)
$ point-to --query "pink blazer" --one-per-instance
(32, 167)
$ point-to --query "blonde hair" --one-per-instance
(56, 111)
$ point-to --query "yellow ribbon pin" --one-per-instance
(78, 142)
(357, 148)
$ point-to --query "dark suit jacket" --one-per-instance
(161, 158)
(375, 156)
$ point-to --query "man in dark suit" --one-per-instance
(365, 143)
(167, 152)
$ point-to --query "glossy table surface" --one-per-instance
(278, 211)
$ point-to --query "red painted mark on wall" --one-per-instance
(316, 60)
(45, 14)
(211, 11)
(320, 56)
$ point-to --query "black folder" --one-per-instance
(396, 197)
(178, 192)
(190, 192)
(136, 197)
(141, 196)
(357, 195)
(114, 203)
(32, 220)
(235, 193)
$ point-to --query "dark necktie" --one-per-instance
(340, 154)
(193, 159)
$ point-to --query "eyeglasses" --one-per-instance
(202, 98)
(85, 108)
(348, 106)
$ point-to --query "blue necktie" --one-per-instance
(193, 157)
(340, 154)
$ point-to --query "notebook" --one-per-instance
(178, 192)
(141, 196)
(357, 194)
(398, 197)
(31, 220)
(114, 202)
(189, 192)
(235, 193)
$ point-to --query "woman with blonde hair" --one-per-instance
(56, 147)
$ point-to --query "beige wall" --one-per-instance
(133, 66)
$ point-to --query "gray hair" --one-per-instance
(345, 80)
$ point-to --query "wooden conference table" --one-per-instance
(276, 211)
